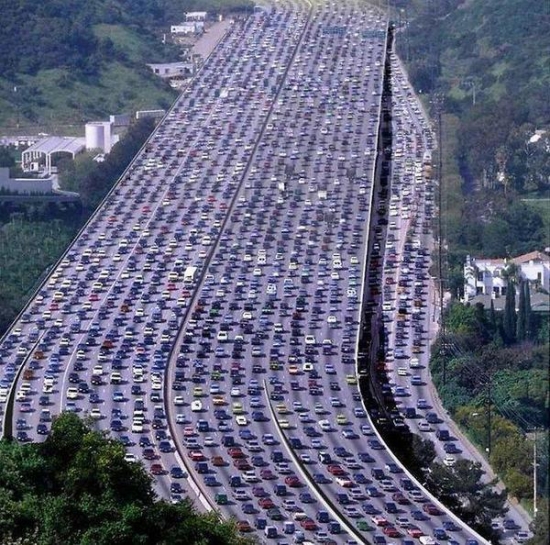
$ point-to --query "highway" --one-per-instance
(208, 313)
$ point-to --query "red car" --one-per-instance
(267, 474)
(293, 481)
(431, 509)
(391, 531)
(242, 464)
(415, 531)
(244, 526)
(308, 524)
(235, 452)
(399, 498)
(266, 503)
(335, 469)
(157, 469)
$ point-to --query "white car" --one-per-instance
(72, 393)
(241, 420)
(95, 413)
(449, 460)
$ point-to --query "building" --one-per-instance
(189, 27)
(489, 277)
(172, 70)
(199, 16)
(25, 186)
(39, 155)
(99, 135)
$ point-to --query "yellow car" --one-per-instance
(237, 407)
(282, 408)
(341, 419)
(351, 379)
(198, 391)
(285, 424)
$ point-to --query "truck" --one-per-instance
(190, 274)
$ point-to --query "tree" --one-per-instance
(528, 312)
(462, 488)
(76, 488)
(509, 321)
(6, 158)
(522, 311)
(541, 529)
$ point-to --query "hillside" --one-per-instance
(492, 63)
(64, 62)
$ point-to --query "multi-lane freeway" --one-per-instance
(208, 314)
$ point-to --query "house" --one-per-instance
(490, 276)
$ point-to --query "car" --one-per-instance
(414, 531)
(308, 524)
(379, 520)
(157, 469)
(241, 420)
(431, 509)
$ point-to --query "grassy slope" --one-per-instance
(63, 103)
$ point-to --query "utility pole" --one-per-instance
(489, 402)
(535, 475)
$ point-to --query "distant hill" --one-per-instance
(67, 61)
(498, 55)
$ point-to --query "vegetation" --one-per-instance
(461, 487)
(493, 67)
(93, 180)
(465, 51)
(76, 488)
(492, 375)
(32, 237)
(66, 61)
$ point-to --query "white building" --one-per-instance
(189, 27)
(196, 16)
(490, 276)
(169, 70)
(99, 135)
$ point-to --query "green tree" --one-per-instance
(76, 488)
(462, 488)
(521, 324)
(509, 321)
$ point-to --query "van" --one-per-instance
(270, 531)
(201, 467)
(228, 441)
(334, 527)
(280, 490)
(277, 456)
(289, 527)
(322, 517)
(235, 481)
(443, 434)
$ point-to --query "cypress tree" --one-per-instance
(493, 317)
(509, 321)
(528, 315)
(520, 325)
